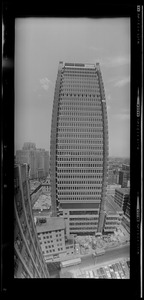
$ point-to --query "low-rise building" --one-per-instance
(113, 216)
(124, 177)
(51, 234)
(111, 189)
(122, 196)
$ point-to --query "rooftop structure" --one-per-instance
(51, 224)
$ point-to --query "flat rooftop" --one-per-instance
(34, 184)
(112, 207)
(52, 224)
(123, 190)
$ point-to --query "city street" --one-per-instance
(112, 254)
(109, 255)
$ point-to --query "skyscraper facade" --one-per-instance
(79, 148)
(28, 257)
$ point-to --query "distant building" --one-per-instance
(113, 216)
(28, 257)
(122, 196)
(125, 167)
(124, 176)
(29, 146)
(51, 233)
(38, 159)
(113, 177)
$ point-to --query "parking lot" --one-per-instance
(119, 269)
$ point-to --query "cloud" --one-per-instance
(45, 83)
(116, 61)
(95, 48)
(122, 82)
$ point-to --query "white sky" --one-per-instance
(39, 46)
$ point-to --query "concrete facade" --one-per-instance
(79, 148)
(113, 216)
(51, 234)
(28, 258)
(122, 197)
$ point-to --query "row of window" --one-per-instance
(83, 223)
(109, 228)
(65, 79)
(80, 193)
(94, 100)
(79, 83)
(79, 187)
(82, 131)
(83, 228)
(73, 159)
(79, 147)
(81, 114)
(80, 89)
(61, 198)
(80, 71)
(80, 153)
(81, 135)
(45, 235)
(47, 247)
(114, 223)
(111, 218)
(80, 165)
(76, 74)
(78, 176)
(50, 251)
(89, 107)
(84, 219)
(80, 124)
(80, 182)
(83, 212)
(82, 232)
(80, 86)
(81, 119)
(80, 171)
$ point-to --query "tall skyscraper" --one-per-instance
(28, 257)
(79, 148)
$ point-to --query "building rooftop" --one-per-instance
(123, 190)
(34, 184)
(111, 207)
(53, 223)
(113, 186)
(43, 202)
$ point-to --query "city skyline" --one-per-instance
(41, 44)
